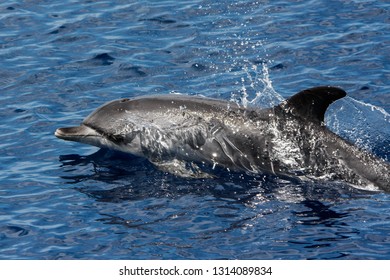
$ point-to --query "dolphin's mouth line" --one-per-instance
(115, 138)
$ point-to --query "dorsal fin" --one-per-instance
(312, 103)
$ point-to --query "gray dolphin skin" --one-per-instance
(180, 133)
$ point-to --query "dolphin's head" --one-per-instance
(128, 142)
(110, 126)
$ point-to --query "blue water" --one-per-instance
(59, 60)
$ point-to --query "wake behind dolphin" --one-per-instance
(179, 134)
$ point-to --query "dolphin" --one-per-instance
(181, 134)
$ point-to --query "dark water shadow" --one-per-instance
(334, 228)
(113, 176)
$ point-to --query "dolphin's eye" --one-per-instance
(124, 100)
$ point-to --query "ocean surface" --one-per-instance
(59, 60)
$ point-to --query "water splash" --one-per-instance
(256, 86)
(366, 125)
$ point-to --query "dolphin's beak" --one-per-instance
(82, 134)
